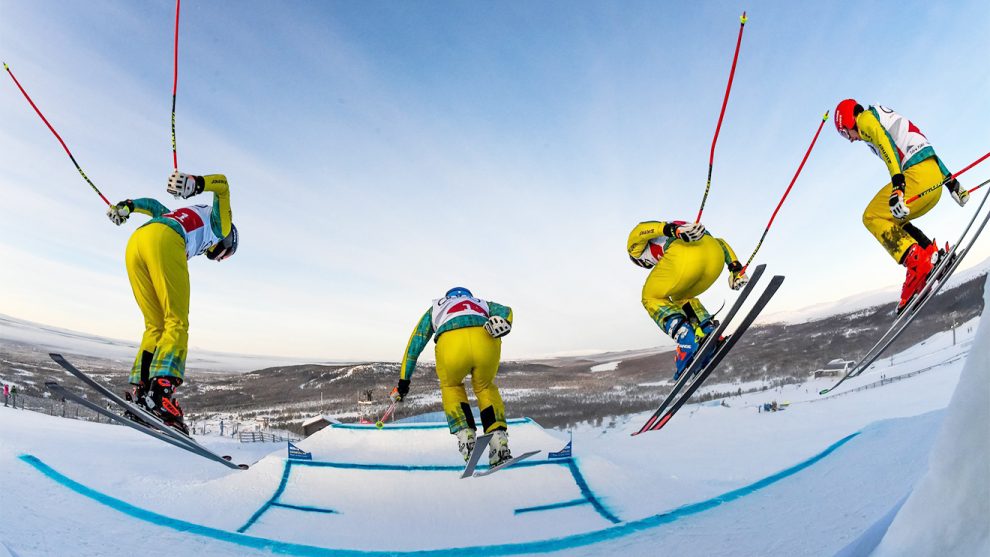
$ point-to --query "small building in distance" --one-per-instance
(314, 424)
(834, 368)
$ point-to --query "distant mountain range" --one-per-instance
(556, 392)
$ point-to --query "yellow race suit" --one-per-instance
(681, 270)
(463, 347)
(156, 259)
(904, 150)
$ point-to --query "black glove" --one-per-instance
(400, 392)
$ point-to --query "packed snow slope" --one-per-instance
(949, 512)
(718, 480)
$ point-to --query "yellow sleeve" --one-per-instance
(217, 183)
(642, 234)
(730, 255)
(872, 131)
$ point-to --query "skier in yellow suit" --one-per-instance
(685, 260)
(913, 167)
(468, 334)
(156, 260)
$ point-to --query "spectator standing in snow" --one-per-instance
(6, 393)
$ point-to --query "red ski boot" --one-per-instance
(919, 262)
(161, 399)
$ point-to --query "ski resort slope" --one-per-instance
(718, 480)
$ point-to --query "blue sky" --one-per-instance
(381, 152)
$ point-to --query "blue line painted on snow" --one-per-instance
(278, 492)
(303, 508)
(542, 546)
(411, 467)
(552, 506)
(588, 494)
(514, 421)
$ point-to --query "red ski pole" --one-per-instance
(57, 136)
(947, 180)
(718, 127)
(789, 186)
(175, 83)
(388, 412)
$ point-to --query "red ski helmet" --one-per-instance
(844, 118)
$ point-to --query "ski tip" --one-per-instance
(824, 391)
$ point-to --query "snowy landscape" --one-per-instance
(343, 166)
(846, 474)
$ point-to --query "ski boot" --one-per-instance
(136, 395)
(498, 448)
(163, 404)
(687, 346)
(944, 261)
(919, 262)
(465, 442)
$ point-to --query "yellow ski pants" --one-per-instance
(686, 270)
(159, 276)
(890, 231)
(470, 350)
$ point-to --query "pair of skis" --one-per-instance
(480, 446)
(149, 424)
(699, 370)
(938, 278)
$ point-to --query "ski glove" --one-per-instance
(400, 392)
(690, 232)
(118, 213)
(958, 192)
(497, 326)
(184, 185)
(642, 262)
(737, 276)
(898, 208)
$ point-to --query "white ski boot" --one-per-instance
(498, 448)
(465, 442)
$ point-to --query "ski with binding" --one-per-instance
(480, 446)
(722, 351)
(939, 277)
(512, 461)
(707, 346)
(62, 392)
(152, 422)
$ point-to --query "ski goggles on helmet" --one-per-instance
(224, 248)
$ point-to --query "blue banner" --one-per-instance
(295, 453)
(562, 453)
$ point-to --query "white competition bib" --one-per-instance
(195, 222)
(446, 309)
(653, 251)
(908, 139)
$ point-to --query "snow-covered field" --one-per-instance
(823, 476)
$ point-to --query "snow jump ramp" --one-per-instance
(398, 491)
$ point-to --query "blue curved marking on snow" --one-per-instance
(271, 500)
(551, 506)
(588, 495)
(304, 508)
(542, 546)
(513, 421)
